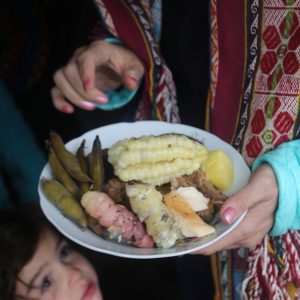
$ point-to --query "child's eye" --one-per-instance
(46, 284)
(65, 251)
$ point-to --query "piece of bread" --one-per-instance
(190, 223)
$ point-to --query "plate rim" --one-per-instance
(174, 253)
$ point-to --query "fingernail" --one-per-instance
(131, 74)
(229, 215)
(67, 109)
(101, 99)
(86, 84)
(87, 105)
(132, 79)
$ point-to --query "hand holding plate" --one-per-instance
(260, 198)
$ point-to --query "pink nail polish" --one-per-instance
(101, 99)
(87, 105)
(229, 215)
(133, 79)
(67, 109)
(86, 84)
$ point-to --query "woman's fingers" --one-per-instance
(242, 236)
(71, 74)
(95, 69)
(262, 188)
(114, 65)
(91, 72)
(59, 101)
(133, 75)
(69, 93)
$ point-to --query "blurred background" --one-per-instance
(36, 38)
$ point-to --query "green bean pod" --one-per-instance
(60, 174)
(84, 165)
(64, 200)
(96, 165)
(94, 225)
(67, 159)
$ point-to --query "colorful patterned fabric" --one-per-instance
(257, 43)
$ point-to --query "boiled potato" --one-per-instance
(218, 169)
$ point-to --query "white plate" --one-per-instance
(108, 136)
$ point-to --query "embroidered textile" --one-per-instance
(258, 43)
(262, 104)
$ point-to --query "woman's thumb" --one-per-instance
(234, 207)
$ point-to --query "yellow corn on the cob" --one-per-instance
(156, 159)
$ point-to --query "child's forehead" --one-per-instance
(49, 238)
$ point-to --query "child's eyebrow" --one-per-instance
(59, 242)
(30, 286)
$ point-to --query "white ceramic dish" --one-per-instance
(108, 136)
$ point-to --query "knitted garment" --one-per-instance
(253, 104)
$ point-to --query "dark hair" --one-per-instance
(20, 232)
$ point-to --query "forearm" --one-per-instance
(285, 162)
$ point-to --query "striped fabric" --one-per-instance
(258, 44)
(253, 103)
(133, 23)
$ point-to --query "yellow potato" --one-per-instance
(218, 169)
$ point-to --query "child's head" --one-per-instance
(37, 263)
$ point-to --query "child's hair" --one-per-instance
(20, 232)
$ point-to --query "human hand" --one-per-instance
(260, 197)
(92, 71)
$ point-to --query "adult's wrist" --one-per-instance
(285, 162)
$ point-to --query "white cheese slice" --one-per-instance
(193, 197)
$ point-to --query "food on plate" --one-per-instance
(148, 191)
(61, 174)
(198, 180)
(156, 159)
(218, 169)
(84, 186)
(95, 226)
(192, 197)
(67, 159)
(115, 188)
(119, 221)
(64, 200)
(96, 165)
(147, 203)
(190, 224)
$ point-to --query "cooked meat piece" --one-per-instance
(207, 214)
(197, 179)
(164, 188)
(116, 190)
(118, 220)
(191, 225)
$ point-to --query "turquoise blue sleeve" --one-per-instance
(117, 98)
(285, 161)
(21, 159)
